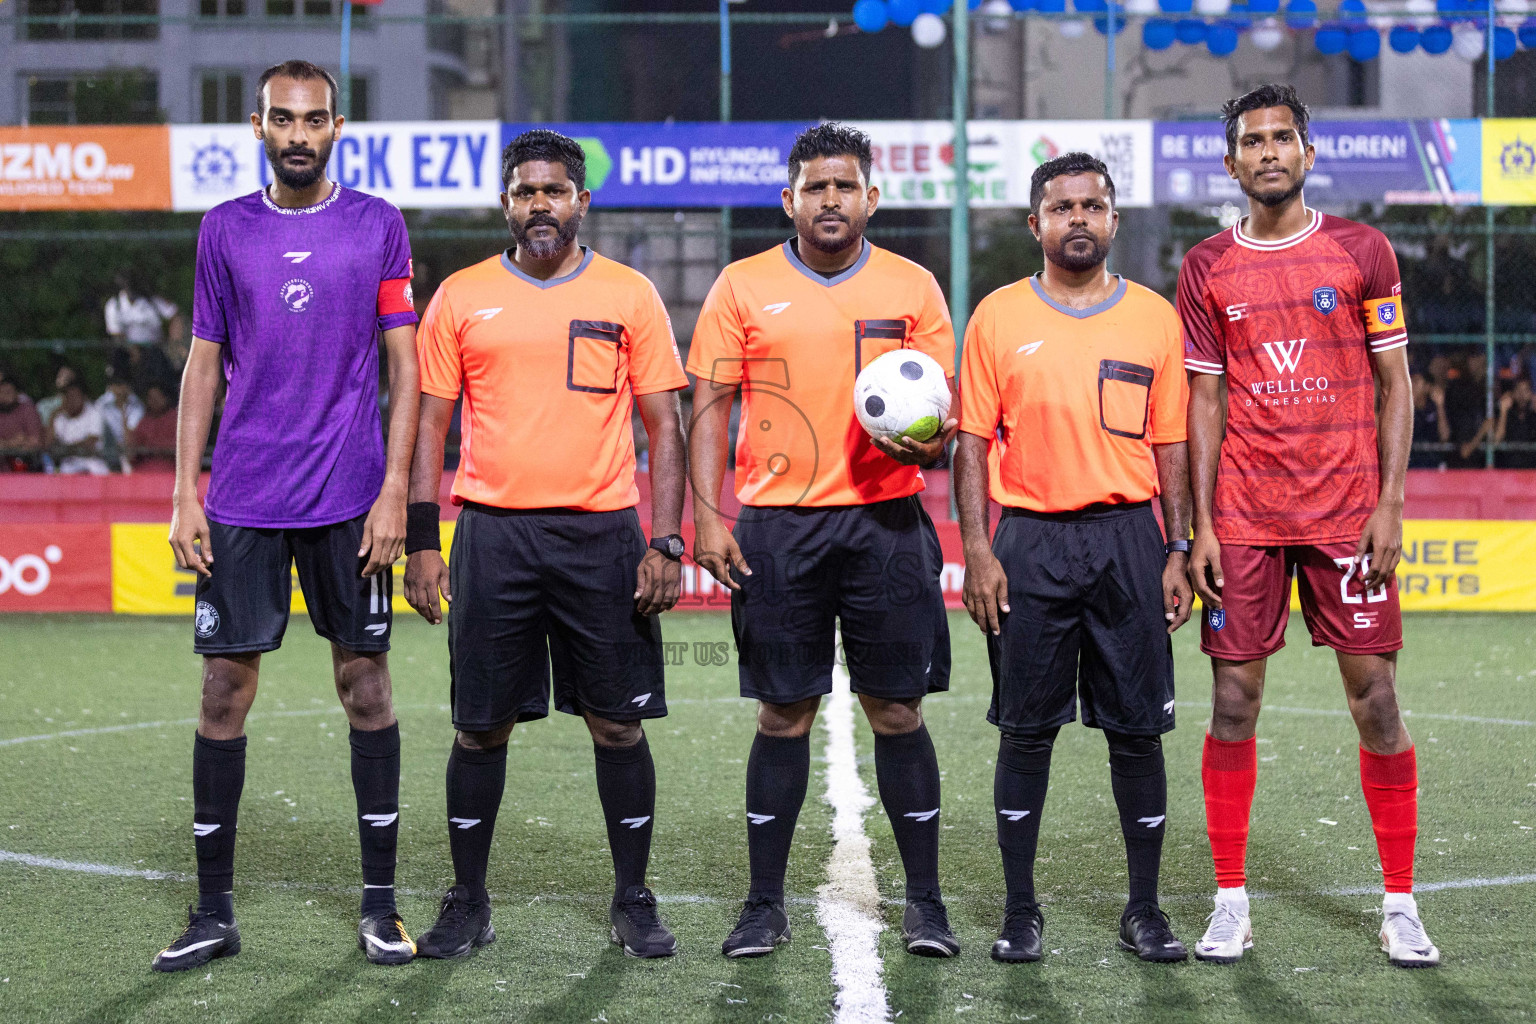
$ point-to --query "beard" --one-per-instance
(545, 248)
(298, 180)
(1079, 262)
(1273, 199)
(856, 226)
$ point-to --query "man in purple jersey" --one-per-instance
(293, 284)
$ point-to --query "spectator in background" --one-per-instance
(21, 432)
(1430, 424)
(149, 328)
(1517, 423)
(152, 444)
(62, 378)
(120, 410)
(75, 434)
(1466, 398)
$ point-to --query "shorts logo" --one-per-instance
(642, 700)
(1387, 312)
(296, 293)
(1217, 617)
(207, 621)
(1325, 299)
(1365, 620)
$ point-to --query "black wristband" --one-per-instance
(421, 529)
(1176, 545)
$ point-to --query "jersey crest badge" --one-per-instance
(207, 620)
(1325, 299)
(296, 294)
(1217, 618)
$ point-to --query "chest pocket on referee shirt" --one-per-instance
(1125, 392)
(592, 357)
(873, 338)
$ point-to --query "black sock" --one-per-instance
(1018, 793)
(218, 777)
(778, 771)
(1141, 793)
(476, 779)
(376, 782)
(907, 772)
(626, 785)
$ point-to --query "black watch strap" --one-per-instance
(1176, 545)
(671, 545)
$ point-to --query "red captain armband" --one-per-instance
(395, 297)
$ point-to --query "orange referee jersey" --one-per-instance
(549, 371)
(795, 341)
(1073, 400)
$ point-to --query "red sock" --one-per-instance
(1391, 785)
(1229, 770)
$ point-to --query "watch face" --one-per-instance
(675, 546)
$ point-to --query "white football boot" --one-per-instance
(1402, 933)
(1230, 931)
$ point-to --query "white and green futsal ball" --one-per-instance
(901, 393)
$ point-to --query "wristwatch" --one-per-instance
(671, 545)
(1176, 545)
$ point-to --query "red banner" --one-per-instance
(55, 567)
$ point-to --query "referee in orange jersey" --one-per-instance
(551, 347)
(1075, 395)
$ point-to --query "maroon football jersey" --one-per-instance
(1293, 324)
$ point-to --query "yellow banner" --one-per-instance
(1509, 161)
(146, 581)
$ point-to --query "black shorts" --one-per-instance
(535, 586)
(1086, 622)
(874, 568)
(243, 607)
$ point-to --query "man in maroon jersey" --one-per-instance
(1297, 469)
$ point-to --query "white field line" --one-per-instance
(30, 860)
(848, 905)
(255, 716)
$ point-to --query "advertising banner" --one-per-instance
(414, 164)
(55, 567)
(84, 168)
(1509, 161)
(145, 579)
(914, 160)
(1406, 162)
(680, 164)
(1478, 565)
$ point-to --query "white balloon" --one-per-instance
(1073, 28)
(1423, 12)
(1268, 34)
(1513, 6)
(1141, 7)
(996, 16)
(1213, 6)
(928, 30)
(1467, 42)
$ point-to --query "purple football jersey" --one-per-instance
(295, 298)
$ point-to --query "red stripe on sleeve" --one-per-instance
(395, 297)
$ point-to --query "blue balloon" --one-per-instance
(1176, 6)
(1089, 6)
(1263, 6)
(870, 15)
(1102, 22)
(1023, 5)
(1050, 6)
(1352, 13)
(1503, 43)
(1157, 34)
(1435, 39)
(1221, 40)
(974, 5)
(1364, 44)
(903, 12)
(933, 6)
(1403, 38)
(1301, 14)
(1332, 38)
(1528, 34)
(1449, 8)
(1190, 31)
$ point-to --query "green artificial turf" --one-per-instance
(76, 946)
